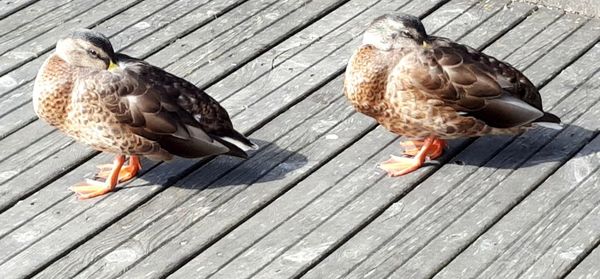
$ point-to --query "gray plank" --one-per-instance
(22, 17)
(577, 44)
(203, 45)
(292, 215)
(588, 268)
(249, 249)
(549, 232)
(540, 45)
(504, 237)
(276, 83)
(393, 238)
(234, 50)
(297, 54)
(8, 7)
(172, 52)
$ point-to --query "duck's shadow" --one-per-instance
(537, 146)
(269, 163)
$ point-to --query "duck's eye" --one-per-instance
(92, 52)
(406, 34)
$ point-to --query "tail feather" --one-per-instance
(548, 117)
(549, 120)
(237, 143)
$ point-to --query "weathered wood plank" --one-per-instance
(292, 85)
(182, 45)
(577, 44)
(588, 268)
(547, 233)
(203, 45)
(298, 53)
(8, 7)
(393, 238)
(540, 45)
(234, 51)
(26, 45)
(266, 236)
(447, 15)
(348, 175)
(22, 17)
(575, 234)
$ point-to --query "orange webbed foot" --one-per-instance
(397, 166)
(91, 188)
(125, 173)
(418, 151)
(412, 148)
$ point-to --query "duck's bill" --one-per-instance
(112, 66)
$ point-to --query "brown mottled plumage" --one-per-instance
(431, 88)
(123, 105)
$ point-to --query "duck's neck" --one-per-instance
(52, 91)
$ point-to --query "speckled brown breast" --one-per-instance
(67, 105)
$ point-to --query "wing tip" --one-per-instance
(550, 121)
(550, 125)
(245, 146)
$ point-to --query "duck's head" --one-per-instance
(86, 48)
(395, 31)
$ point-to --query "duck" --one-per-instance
(122, 105)
(431, 89)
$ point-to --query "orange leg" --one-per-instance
(92, 188)
(126, 173)
(412, 147)
(431, 147)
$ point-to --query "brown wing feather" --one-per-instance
(476, 84)
(161, 107)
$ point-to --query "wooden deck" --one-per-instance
(310, 202)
